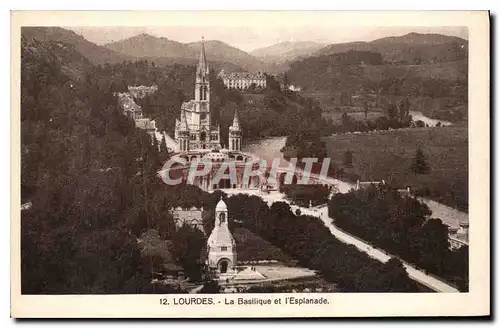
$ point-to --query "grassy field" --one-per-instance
(333, 111)
(335, 116)
(251, 247)
(388, 156)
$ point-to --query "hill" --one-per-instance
(145, 46)
(355, 70)
(93, 52)
(285, 51)
(412, 48)
(359, 73)
(71, 128)
(67, 59)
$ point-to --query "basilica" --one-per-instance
(197, 144)
(196, 139)
(194, 130)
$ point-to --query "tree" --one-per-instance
(348, 159)
(188, 244)
(404, 109)
(141, 223)
(346, 122)
(420, 165)
(210, 287)
(392, 111)
(365, 108)
(394, 277)
(286, 83)
(433, 246)
(166, 226)
(420, 124)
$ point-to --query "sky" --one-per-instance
(248, 36)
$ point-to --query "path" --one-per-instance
(322, 214)
(450, 216)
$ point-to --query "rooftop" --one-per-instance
(242, 75)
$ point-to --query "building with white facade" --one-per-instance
(221, 246)
(194, 129)
(242, 80)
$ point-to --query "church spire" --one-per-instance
(236, 121)
(202, 63)
(183, 125)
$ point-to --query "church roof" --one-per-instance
(215, 157)
(221, 236)
(145, 124)
(202, 62)
(242, 75)
(221, 206)
(189, 105)
(236, 121)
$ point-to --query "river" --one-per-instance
(418, 116)
(269, 149)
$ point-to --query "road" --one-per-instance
(322, 213)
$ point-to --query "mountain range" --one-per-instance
(412, 48)
(148, 46)
(287, 51)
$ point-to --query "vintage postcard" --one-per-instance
(250, 164)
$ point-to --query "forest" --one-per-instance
(402, 226)
(439, 90)
(90, 177)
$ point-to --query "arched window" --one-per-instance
(203, 92)
(222, 218)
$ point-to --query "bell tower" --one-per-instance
(235, 133)
(221, 245)
(201, 116)
(183, 133)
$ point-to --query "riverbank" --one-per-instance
(418, 116)
(387, 155)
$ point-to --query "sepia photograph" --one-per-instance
(275, 162)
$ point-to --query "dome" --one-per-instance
(221, 206)
(215, 157)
